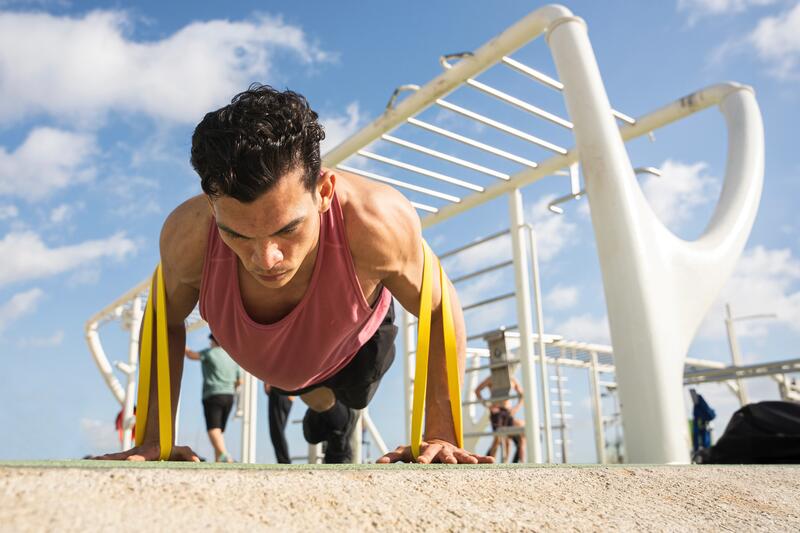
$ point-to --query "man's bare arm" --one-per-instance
(181, 248)
(398, 245)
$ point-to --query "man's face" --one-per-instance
(273, 235)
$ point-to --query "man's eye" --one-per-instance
(233, 235)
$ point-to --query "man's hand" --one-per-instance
(150, 452)
(435, 451)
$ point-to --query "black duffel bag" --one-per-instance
(760, 433)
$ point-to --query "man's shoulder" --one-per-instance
(184, 237)
(379, 220)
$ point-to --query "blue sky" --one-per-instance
(98, 101)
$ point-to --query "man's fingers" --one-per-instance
(447, 458)
(429, 453)
(465, 457)
(483, 459)
(183, 453)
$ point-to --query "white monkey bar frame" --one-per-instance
(657, 286)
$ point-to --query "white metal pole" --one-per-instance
(561, 411)
(736, 355)
(357, 439)
(543, 371)
(376, 435)
(249, 418)
(525, 324)
(597, 410)
(314, 454)
(408, 381)
(135, 316)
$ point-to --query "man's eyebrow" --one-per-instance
(284, 229)
(289, 226)
(226, 229)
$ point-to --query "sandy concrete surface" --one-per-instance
(399, 498)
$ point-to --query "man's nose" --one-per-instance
(267, 255)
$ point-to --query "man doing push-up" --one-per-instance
(296, 268)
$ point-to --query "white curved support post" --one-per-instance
(100, 359)
(135, 322)
(658, 287)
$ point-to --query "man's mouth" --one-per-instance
(272, 277)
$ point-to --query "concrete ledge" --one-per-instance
(86, 496)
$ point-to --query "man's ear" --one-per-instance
(325, 187)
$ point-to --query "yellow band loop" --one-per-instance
(423, 349)
(145, 368)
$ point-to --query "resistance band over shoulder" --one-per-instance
(423, 349)
(162, 363)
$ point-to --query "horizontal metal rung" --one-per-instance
(493, 365)
(517, 430)
(473, 244)
(445, 157)
(546, 80)
(482, 271)
(482, 335)
(520, 104)
(398, 183)
(424, 207)
(472, 142)
(502, 127)
(420, 170)
(489, 301)
(491, 400)
(532, 73)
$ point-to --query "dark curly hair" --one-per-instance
(244, 148)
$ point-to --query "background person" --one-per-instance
(501, 415)
(221, 377)
(278, 407)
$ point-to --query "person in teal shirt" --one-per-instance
(221, 377)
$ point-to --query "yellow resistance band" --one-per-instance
(145, 358)
(423, 348)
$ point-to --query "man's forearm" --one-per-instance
(438, 414)
(177, 343)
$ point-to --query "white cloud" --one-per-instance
(27, 257)
(78, 68)
(585, 328)
(554, 233)
(53, 341)
(21, 304)
(61, 213)
(697, 9)
(777, 42)
(561, 297)
(679, 190)
(765, 281)
(48, 160)
(8, 211)
(340, 127)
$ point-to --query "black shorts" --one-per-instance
(356, 383)
(501, 418)
(217, 408)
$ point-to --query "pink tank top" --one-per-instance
(318, 337)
